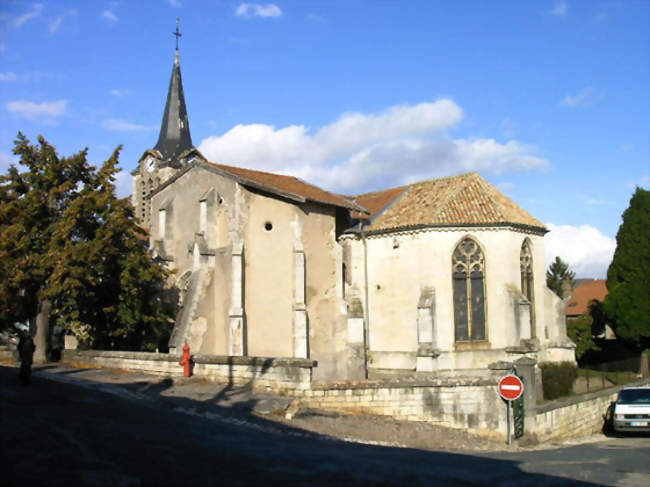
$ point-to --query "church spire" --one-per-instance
(175, 138)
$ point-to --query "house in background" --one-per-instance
(583, 295)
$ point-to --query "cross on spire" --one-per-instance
(177, 33)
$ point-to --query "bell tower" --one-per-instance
(173, 150)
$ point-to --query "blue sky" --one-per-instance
(548, 100)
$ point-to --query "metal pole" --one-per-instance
(509, 431)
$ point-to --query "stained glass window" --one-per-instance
(468, 268)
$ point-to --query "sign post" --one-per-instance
(510, 388)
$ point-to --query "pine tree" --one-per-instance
(70, 247)
(559, 278)
(628, 276)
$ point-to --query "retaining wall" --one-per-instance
(468, 403)
(259, 372)
(576, 416)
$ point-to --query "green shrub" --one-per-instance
(558, 378)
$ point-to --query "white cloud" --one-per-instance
(123, 184)
(358, 151)
(6, 160)
(584, 98)
(35, 12)
(120, 93)
(258, 10)
(120, 125)
(175, 3)
(315, 17)
(587, 251)
(8, 76)
(32, 110)
(55, 24)
(560, 9)
(109, 15)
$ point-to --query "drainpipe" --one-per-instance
(366, 308)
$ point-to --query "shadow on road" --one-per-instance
(70, 431)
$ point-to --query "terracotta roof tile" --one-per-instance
(457, 200)
(288, 184)
(376, 201)
(583, 294)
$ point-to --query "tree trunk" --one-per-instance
(41, 340)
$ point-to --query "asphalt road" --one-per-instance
(67, 433)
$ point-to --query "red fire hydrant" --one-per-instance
(186, 361)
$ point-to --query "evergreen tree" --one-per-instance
(582, 329)
(628, 276)
(70, 248)
(560, 279)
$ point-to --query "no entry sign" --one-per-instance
(510, 387)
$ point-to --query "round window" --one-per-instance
(268, 226)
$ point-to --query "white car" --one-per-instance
(632, 410)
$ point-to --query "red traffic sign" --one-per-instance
(510, 387)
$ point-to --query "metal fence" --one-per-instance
(594, 377)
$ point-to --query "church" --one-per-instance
(435, 277)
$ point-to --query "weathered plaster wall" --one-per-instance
(208, 332)
(325, 306)
(401, 265)
(268, 275)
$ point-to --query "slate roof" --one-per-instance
(583, 294)
(174, 138)
(287, 186)
(467, 199)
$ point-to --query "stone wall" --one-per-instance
(468, 402)
(260, 372)
(577, 415)
(8, 355)
(454, 402)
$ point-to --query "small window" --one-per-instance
(268, 226)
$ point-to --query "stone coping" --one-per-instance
(403, 383)
(199, 359)
(577, 399)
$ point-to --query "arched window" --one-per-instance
(468, 269)
(526, 267)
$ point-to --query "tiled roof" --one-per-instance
(583, 294)
(288, 185)
(466, 199)
(375, 202)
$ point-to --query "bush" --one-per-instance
(558, 378)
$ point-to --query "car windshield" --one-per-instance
(634, 396)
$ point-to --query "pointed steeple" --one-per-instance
(175, 138)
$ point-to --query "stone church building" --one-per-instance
(434, 277)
